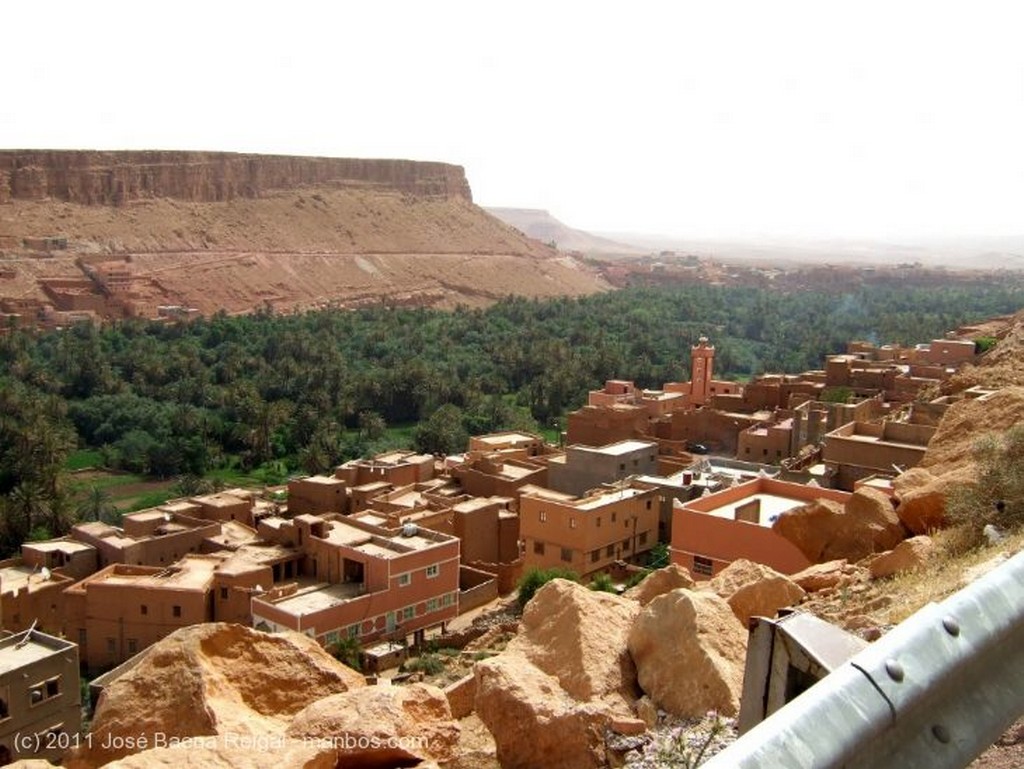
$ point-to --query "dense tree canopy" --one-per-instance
(314, 388)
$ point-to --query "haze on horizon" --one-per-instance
(730, 119)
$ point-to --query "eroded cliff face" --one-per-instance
(114, 178)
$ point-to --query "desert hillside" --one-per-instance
(540, 224)
(238, 232)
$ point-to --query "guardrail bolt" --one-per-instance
(941, 733)
(894, 669)
(951, 625)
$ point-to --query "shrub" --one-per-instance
(603, 583)
(637, 578)
(535, 579)
(347, 651)
(998, 496)
(428, 664)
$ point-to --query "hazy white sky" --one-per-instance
(816, 118)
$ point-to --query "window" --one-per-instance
(567, 555)
(408, 612)
(599, 522)
(609, 551)
(643, 538)
(595, 556)
(331, 638)
(648, 504)
(543, 516)
(433, 570)
(353, 631)
(622, 467)
(613, 517)
(404, 579)
(111, 646)
(538, 548)
(702, 566)
(223, 594)
(625, 544)
(133, 646)
(143, 609)
(176, 611)
(448, 599)
(431, 604)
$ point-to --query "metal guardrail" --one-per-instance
(933, 693)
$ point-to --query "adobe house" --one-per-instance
(494, 474)
(40, 696)
(398, 468)
(588, 534)
(510, 444)
(597, 425)
(367, 582)
(710, 532)
(859, 449)
(317, 494)
(123, 609)
(31, 594)
(586, 467)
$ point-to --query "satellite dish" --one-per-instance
(45, 574)
(167, 516)
(258, 590)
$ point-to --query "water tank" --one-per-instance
(409, 530)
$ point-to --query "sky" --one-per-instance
(721, 118)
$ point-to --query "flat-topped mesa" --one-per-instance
(90, 177)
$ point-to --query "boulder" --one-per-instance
(754, 590)
(221, 753)
(824, 530)
(563, 681)
(660, 582)
(828, 575)
(381, 725)
(690, 653)
(922, 497)
(911, 554)
(579, 636)
(212, 679)
(535, 722)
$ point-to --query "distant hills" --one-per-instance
(541, 225)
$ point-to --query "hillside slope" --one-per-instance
(237, 232)
(540, 224)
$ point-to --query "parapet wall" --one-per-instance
(115, 178)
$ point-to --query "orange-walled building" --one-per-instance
(588, 534)
(370, 583)
(398, 468)
(711, 532)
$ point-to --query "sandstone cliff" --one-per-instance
(222, 231)
(115, 178)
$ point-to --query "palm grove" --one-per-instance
(306, 391)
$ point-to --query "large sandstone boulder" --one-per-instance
(754, 590)
(535, 722)
(579, 636)
(828, 575)
(564, 680)
(922, 496)
(907, 556)
(824, 530)
(221, 753)
(381, 725)
(690, 653)
(213, 679)
(660, 582)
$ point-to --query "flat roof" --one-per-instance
(618, 448)
(326, 480)
(14, 578)
(221, 499)
(319, 597)
(501, 438)
(608, 497)
(190, 573)
(772, 506)
(21, 649)
(59, 545)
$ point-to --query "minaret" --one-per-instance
(702, 356)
